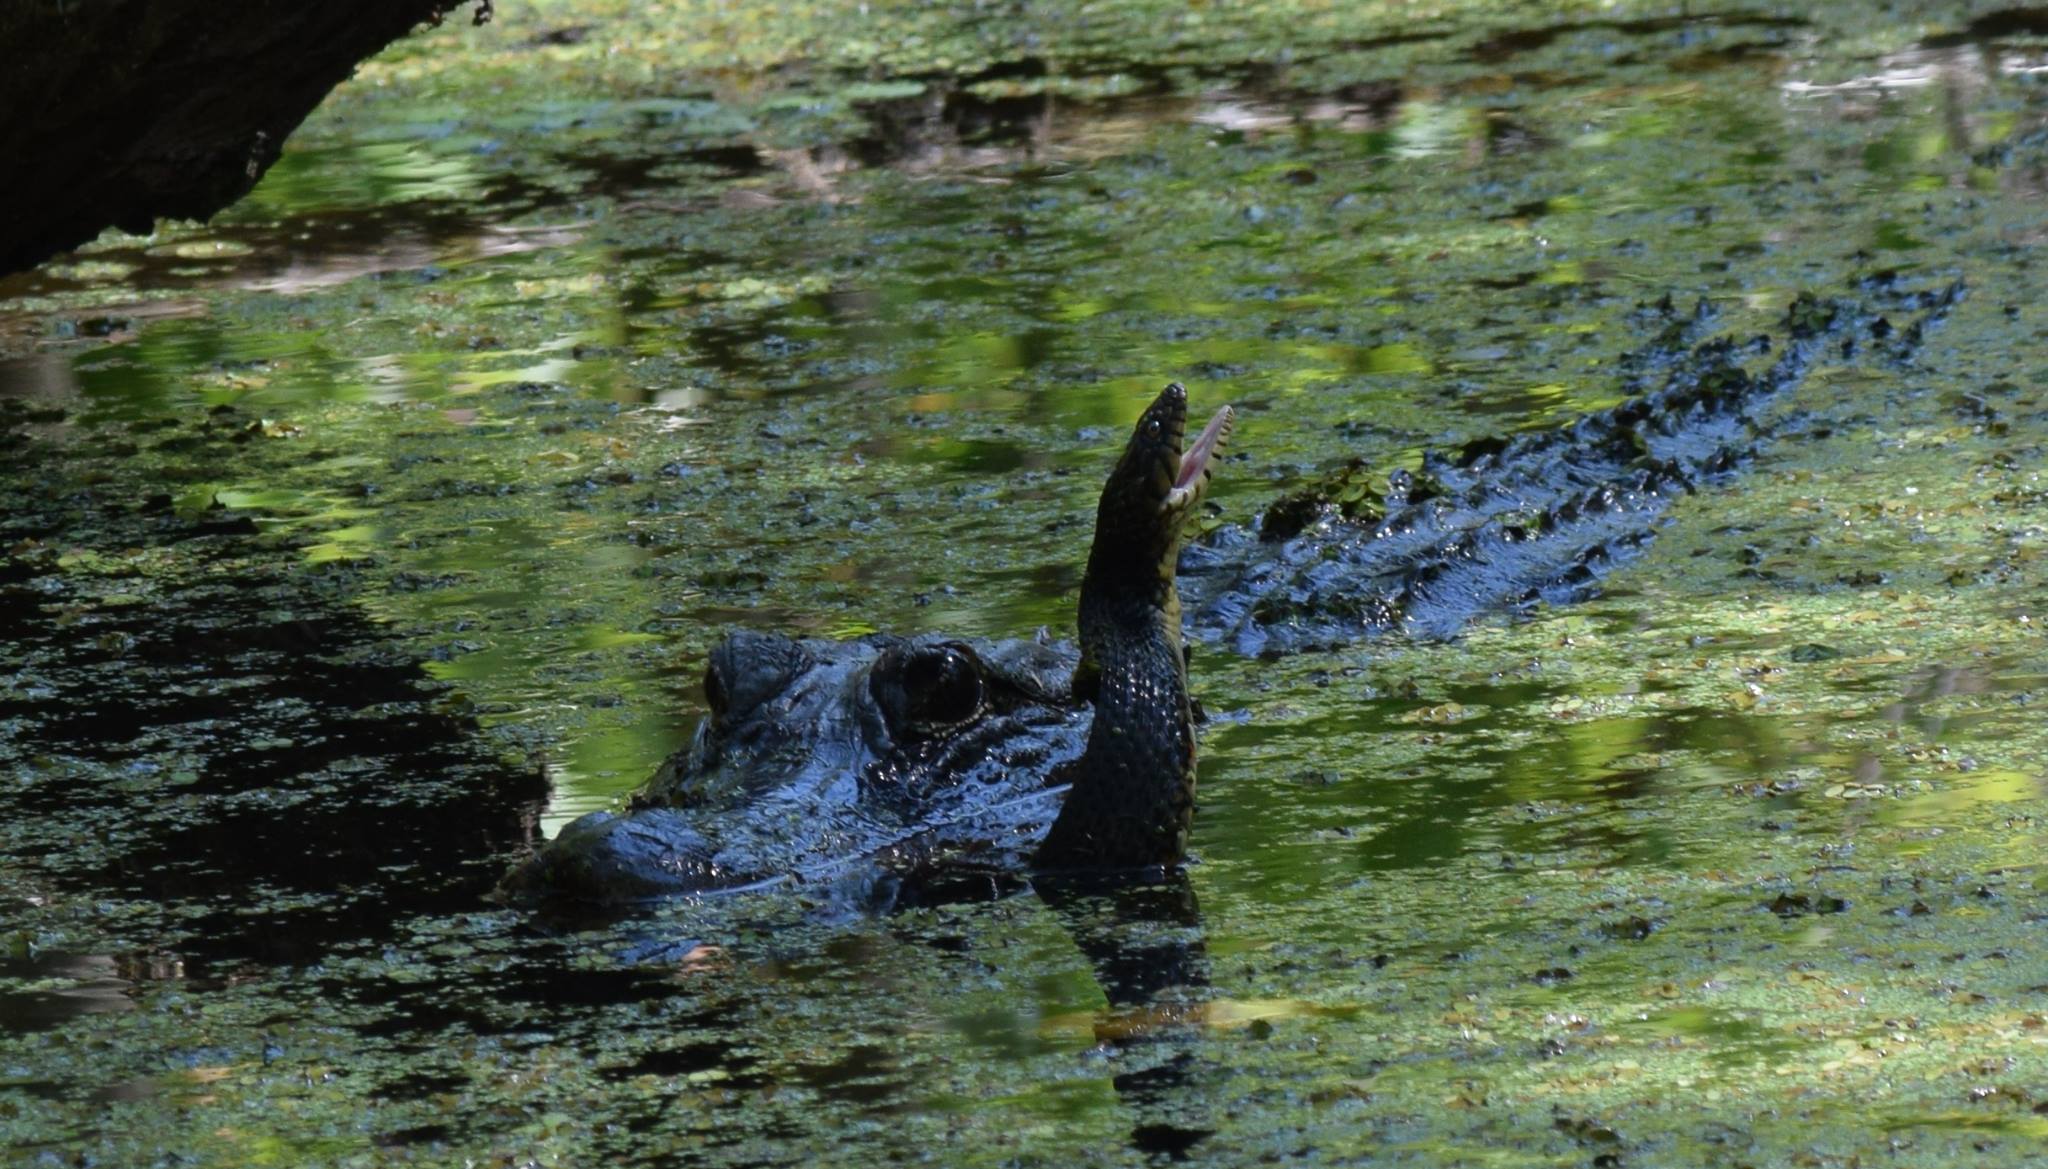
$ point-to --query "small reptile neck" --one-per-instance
(1133, 795)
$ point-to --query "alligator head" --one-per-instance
(826, 761)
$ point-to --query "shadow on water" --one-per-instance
(223, 743)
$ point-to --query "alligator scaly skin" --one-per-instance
(1503, 524)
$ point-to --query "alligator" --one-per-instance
(872, 768)
(855, 764)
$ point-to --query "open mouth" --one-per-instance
(1193, 478)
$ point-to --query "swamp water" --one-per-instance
(358, 537)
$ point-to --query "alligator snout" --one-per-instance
(654, 852)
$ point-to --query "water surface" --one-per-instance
(385, 522)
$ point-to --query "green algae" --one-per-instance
(1738, 864)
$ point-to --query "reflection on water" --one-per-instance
(75, 985)
(1145, 946)
(438, 464)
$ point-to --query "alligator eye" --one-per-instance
(943, 686)
(932, 689)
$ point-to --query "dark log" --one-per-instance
(116, 113)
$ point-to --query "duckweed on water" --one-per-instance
(552, 349)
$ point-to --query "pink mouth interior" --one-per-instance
(1196, 457)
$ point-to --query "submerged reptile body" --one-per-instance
(1506, 523)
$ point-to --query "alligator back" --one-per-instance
(1506, 523)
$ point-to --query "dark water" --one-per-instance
(362, 536)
